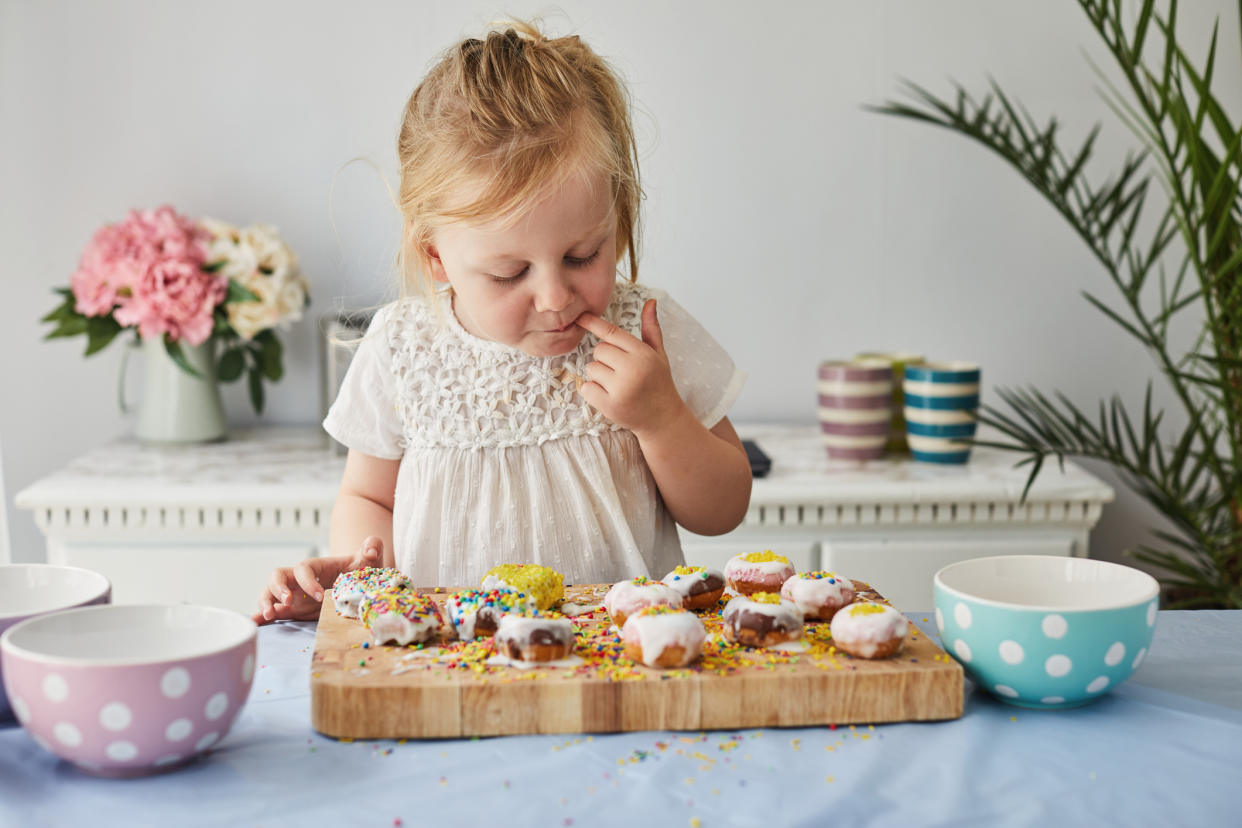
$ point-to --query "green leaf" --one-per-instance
(232, 363)
(62, 311)
(100, 331)
(256, 390)
(71, 326)
(239, 293)
(1037, 464)
(1113, 315)
(175, 352)
(214, 267)
(271, 358)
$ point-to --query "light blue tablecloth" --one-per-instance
(1164, 748)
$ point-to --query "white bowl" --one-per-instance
(127, 690)
(27, 590)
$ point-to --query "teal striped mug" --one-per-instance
(941, 410)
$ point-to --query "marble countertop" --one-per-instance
(802, 472)
(279, 465)
(274, 465)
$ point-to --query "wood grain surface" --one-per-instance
(398, 692)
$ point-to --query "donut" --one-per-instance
(757, 572)
(663, 637)
(626, 597)
(818, 594)
(534, 637)
(546, 586)
(762, 620)
(477, 612)
(400, 616)
(869, 630)
(351, 587)
(700, 587)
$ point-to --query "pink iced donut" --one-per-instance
(627, 597)
(757, 572)
(818, 594)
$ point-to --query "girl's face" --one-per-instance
(524, 282)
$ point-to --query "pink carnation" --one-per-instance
(147, 271)
(174, 297)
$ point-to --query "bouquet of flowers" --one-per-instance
(163, 274)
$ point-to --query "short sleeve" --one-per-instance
(703, 371)
(365, 416)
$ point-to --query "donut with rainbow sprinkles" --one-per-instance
(818, 594)
(626, 597)
(700, 587)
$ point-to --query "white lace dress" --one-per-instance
(502, 461)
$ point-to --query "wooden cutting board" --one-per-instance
(399, 692)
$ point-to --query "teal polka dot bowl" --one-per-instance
(1043, 631)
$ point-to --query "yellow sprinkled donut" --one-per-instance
(545, 585)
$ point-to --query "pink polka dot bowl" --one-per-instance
(1042, 631)
(27, 590)
(129, 690)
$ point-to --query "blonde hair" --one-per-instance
(516, 113)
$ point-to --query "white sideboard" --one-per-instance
(197, 524)
(894, 522)
(206, 524)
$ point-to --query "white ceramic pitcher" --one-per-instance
(178, 407)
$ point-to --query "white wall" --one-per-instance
(795, 224)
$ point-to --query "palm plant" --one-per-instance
(1193, 149)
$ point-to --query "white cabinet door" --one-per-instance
(715, 552)
(223, 575)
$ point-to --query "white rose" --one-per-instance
(252, 318)
(291, 299)
(260, 261)
(270, 252)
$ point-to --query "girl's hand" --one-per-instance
(630, 381)
(295, 593)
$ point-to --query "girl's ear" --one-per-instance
(437, 266)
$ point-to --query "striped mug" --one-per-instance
(855, 408)
(941, 405)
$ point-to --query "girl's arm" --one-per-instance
(703, 474)
(363, 508)
(360, 535)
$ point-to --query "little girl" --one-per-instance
(530, 406)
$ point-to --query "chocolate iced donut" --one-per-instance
(762, 620)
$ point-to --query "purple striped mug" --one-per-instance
(855, 408)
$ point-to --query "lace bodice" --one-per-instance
(493, 441)
(454, 389)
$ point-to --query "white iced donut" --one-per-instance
(534, 637)
(869, 630)
(699, 586)
(477, 612)
(400, 616)
(350, 588)
(663, 637)
(818, 594)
